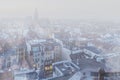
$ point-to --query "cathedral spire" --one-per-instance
(36, 15)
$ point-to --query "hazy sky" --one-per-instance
(76, 9)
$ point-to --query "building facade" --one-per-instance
(44, 53)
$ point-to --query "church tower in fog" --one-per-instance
(36, 15)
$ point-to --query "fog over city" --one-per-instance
(59, 40)
(63, 9)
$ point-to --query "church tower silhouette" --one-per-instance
(36, 15)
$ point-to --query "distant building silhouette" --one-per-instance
(36, 15)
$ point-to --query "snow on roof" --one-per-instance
(111, 55)
(36, 41)
(76, 51)
(66, 67)
(93, 49)
(76, 76)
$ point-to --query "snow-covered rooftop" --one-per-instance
(36, 41)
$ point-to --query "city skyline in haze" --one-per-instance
(62, 9)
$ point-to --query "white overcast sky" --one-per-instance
(76, 9)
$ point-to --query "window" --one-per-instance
(46, 68)
(51, 67)
(35, 49)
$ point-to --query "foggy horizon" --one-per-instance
(62, 9)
